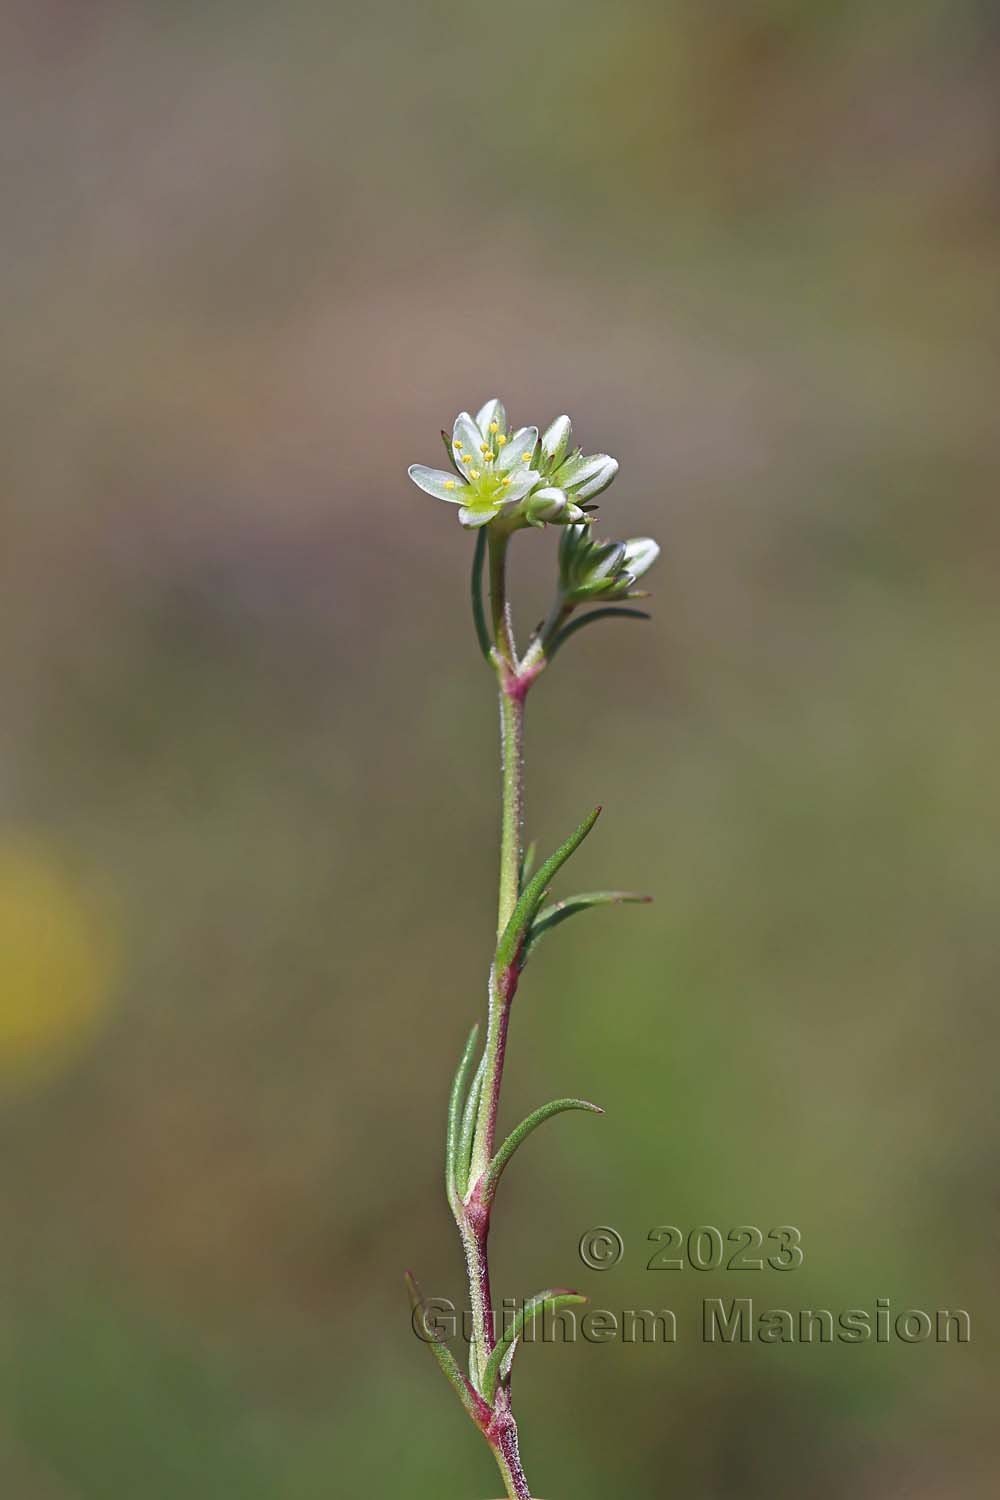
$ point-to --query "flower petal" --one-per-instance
(473, 518)
(518, 444)
(466, 439)
(641, 553)
(521, 483)
(556, 440)
(493, 411)
(437, 482)
(587, 475)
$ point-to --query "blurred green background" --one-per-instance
(253, 258)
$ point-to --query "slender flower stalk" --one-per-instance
(506, 480)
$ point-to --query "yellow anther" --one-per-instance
(468, 459)
(501, 440)
(449, 484)
(489, 455)
(494, 426)
(475, 473)
(484, 447)
(526, 458)
(458, 444)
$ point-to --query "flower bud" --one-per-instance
(546, 504)
(590, 569)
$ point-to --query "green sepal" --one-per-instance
(456, 1102)
(469, 1397)
(476, 591)
(468, 1131)
(487, 1184)
(499, 1363)
(610, 611)
(560, 911)
(524, 912)
(450, 450)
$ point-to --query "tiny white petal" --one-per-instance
(493, 411)
(556, 439)
(438, 483)
(474, 518)
(467, 433)
(641, 553)
(521, 484)
(520, 442)
(589, 475)
(598, 482)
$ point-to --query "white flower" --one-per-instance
(504, 472)
(493, 472)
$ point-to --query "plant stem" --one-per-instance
(475, 1224)
(512, 694)
(505, 1450)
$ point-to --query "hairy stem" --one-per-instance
(513, 686)
(505, 1450)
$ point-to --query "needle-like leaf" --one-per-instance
(468, 1130)
(470, 1398)
(610, 611)
(488, 1184)
(478, 609)
(559, 911)
(499, 1363)
(456, 1102)
(524, 912)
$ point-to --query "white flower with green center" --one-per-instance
(493, 472)
(497, 473)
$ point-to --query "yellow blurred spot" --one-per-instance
(449, 484)
(475, 473)
(57, 961)
(501, 439)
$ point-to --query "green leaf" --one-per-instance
(464, 1153)
(610, 611)
(527, 864)
(523, 914)
(499, 1363)
(478, 609)
(560, 911)
(491, 1177)
(455, 1105)
(470, 1399)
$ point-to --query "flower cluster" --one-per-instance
(514, 473)
(590, 570)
